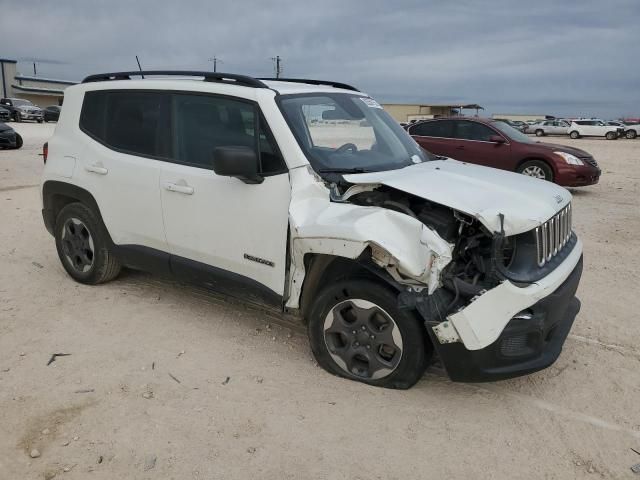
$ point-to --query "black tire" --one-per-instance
(403, 367)
(631, 134)
(539, 133)
(71, 237)
(18, 141)
(17, 117)
(611, 136)
(40, 120)
(574, 134)
(537, 169)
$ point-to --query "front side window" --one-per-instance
(201, 123)
(341, 132)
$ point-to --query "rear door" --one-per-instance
(220, 229)
(120, 159)
(435, 136)
(473, 144)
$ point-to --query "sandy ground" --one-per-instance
(168, 381)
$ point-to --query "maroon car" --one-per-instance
(494, 143)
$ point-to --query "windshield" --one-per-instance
(21, 103)
(344, 133)
(512, 133)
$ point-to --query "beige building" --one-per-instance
(39, 90)
(523, 117)
(406, 112)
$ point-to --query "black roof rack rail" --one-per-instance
(230, 78)
(313, 82)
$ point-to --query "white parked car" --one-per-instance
(549, 127)
(308, 197)
(594, 128)
(632, 130)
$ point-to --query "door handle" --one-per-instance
(175, 187)
(96, 168)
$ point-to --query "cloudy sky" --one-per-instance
(550, 57)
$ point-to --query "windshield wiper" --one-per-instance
(343, 170)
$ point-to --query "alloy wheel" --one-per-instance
(534, 171)
(363, 339)
(77, 245)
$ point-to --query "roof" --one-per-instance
(42, 79)
(37, 90)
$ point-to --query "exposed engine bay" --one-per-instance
(480, 258)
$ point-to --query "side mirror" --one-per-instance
(497, 139)
(238, 162)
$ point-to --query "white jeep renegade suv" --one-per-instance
(305, 195)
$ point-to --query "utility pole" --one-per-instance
(215, 61)
(34, 69)
(277, 64)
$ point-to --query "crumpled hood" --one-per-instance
(480, 192)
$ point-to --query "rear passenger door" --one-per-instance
(119, 162)
(435, 136)
(221, 230)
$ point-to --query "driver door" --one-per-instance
(220, 230)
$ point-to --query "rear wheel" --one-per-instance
(539, 133)
(82, 245)
(631, 134)
(611, 135)
(536, 169)
(356, 331)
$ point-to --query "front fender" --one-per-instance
(411, 252)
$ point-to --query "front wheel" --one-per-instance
(18, 141)
(611, 135)
(40, 120)
(536, 169)
(539, 133)
(574, 135)
(83, 247)
(631, 134)
(357, 331)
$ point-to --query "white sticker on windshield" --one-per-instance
(416, 159)
(370, 102)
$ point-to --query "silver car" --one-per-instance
(549, 127)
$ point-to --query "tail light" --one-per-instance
(45, 151)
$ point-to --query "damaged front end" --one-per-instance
(502, 305)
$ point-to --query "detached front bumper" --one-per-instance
(531, 341)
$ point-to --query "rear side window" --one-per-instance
(438, 128)
(128, 121)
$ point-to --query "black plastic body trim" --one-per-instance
(542, 337)
(51, 189)
(329, 83)
(190, 271)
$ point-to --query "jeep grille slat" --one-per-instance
(553, 235)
